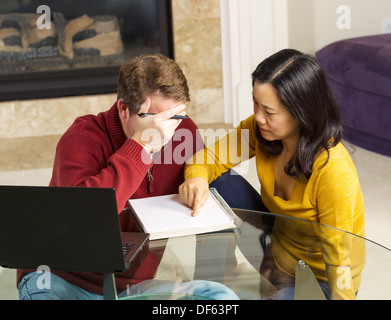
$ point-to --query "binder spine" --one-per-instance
(237, 221)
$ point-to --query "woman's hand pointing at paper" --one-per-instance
(194, 192)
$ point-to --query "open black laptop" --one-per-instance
(64, 228)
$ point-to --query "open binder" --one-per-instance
(167, 216)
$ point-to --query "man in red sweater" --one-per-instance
(135, 155)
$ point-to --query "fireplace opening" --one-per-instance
(56, 48)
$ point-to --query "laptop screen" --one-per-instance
(65, 228)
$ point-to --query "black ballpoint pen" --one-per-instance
(143, 115)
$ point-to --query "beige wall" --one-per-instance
(313, 23)
(197, 38)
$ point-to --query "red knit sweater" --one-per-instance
(94, 152)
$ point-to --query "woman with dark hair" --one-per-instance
(304, 170)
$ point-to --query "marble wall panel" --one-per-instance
(206, 106)
(197, 40)
(47, 116)
(198, 52)
(7, 119)
(195, 9)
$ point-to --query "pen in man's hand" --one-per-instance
(143, 115)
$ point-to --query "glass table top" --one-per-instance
(269, 256)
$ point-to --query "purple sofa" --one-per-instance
(359, 74)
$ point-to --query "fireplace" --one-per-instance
(56, 48)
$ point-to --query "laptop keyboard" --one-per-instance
(126, 247)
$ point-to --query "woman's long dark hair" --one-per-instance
(303, 90)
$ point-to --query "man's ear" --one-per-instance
(122, 109)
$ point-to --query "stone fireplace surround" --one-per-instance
(197, 46)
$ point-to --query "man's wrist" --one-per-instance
(146, 147)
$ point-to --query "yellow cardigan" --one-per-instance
(332, 196)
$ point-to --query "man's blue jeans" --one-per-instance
(62, 290)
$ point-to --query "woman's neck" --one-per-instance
(289, 148)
